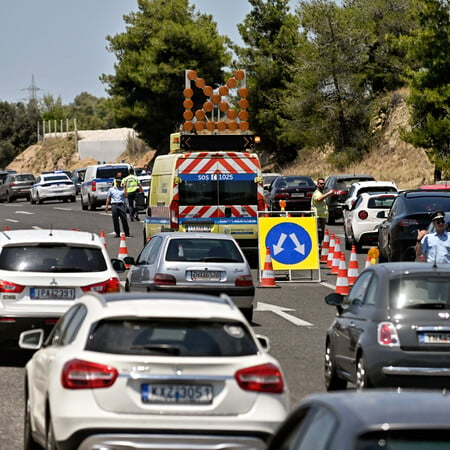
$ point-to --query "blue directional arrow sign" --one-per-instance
(289, 243)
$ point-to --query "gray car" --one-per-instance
(16, 185)
(208, 263)
(393, 330)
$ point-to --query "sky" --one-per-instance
(61, 44)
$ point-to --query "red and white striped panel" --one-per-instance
(231, 163)
(213, 211)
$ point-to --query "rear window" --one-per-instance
(168, 337)
(199, 193)
(428, 204)
(380, 202)
(422, 292)
(377, 189)
(297, 182)
(203, 250)
(111, 172)
(345, 183)
(24, 177)
(56, 178)
(51, 258)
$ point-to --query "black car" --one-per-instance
(295, 190)
(366, 421)
(340, 184)
(410, 212)
(16, 185)
(393, 330)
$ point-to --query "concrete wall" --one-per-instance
(106, 151)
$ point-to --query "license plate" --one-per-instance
(177, 393)
(434, 338)
(298, 194)
(52, 293)
(204, 228)
(199, 275)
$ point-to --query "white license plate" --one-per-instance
(176, 393)
(205, 275)
(434, 338)
(52, 293)
(298, 194)
(204, 228)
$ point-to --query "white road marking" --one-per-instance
(280, 311)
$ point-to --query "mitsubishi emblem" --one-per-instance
(53, 282)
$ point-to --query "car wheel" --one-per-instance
(362, 379)
(91, 206)
(348, 244)
(248, 314)
(28, 441)
(332, 380)
(32, 201)
(127, 286)
(50, 443)
(9, 199)
(38, 199)
(83, 205)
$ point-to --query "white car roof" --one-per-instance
(32, 236)
(170, 305)
(375, 183)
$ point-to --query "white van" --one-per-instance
(97, 180)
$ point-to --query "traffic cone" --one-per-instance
(123, 252)
(336, 257)
(331, 251)
(368, 263)
(342, 286)
(353, 269)
(268, 277)
(102, 238)
(325, 247)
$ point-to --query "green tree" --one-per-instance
(270, 33)
(430, 83)
(163, 39)
(329, 102)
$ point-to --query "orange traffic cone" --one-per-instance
(331, 251)
(325, 247)
(336, 257)
(353, 268)
(368, 263)
(342, 286)
(102, 237)
(123, 252)
(268, 277)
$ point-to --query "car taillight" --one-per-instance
(263, 378)
(244, 280)
(111, 285)
(94, 186)
(387, 334)
(164, 279)
(174, 214)
(309, 194)
(11, 184)
(79, 374)
(363, 215)
(10, 288)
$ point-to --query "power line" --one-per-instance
(32, 90)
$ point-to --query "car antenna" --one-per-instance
(51, 231)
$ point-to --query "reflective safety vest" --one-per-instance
(131, 183)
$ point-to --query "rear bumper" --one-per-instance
(215, 441)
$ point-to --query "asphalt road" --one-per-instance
(294, 315)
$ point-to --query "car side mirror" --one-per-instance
(381, 215)
(335, 299)
(31, 339)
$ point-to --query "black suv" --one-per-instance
(410, 212)
(341, 185)
(16, 185)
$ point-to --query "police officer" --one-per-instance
(116, 198)
(132, 187)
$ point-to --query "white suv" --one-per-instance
(152, 370)
(42, 272)
(97, 180)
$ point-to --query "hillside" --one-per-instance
(389, 159)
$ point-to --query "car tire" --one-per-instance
(127, 286)
(73, 199)
(248, 314)
(28, 441)
(332, 380)
(361, 377)
(50, 443)
(38, 199)
(32, 201)
(348, 244)
(91, 205)
(83, 205)
(9, 199)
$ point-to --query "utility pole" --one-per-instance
(32, 90)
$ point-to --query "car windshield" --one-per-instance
(52, 258)
(203, 250)
(422, 291)
(169, 337)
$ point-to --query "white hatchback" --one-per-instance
(52, 186)
(362, 221)
(42, 272)
(152, 370)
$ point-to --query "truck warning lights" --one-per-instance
(216, 113)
